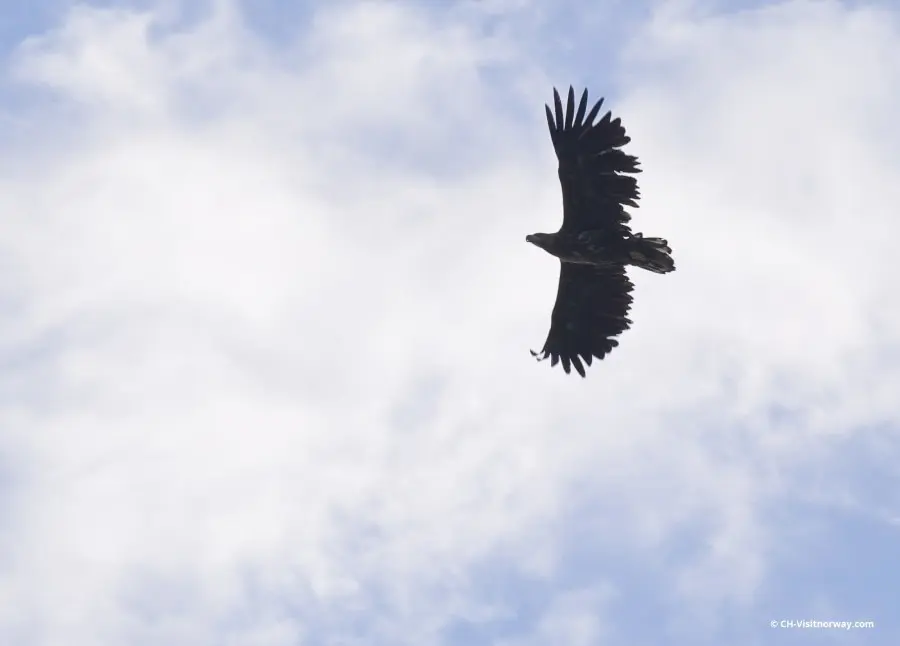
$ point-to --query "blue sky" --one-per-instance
(264, 370)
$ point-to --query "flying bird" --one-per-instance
(594, 243)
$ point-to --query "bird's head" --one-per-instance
(538, 239)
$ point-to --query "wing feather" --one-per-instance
(557, 105)
(582, 106)
(592, 305)
(592, 168)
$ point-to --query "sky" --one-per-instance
(267, 306)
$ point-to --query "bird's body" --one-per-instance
(595, 243)
(595, 247)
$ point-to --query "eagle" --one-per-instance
(594, 244)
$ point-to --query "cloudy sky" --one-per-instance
(267, 306)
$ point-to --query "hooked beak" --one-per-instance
(530, 238)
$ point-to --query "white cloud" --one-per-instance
(573, 617)
(271, 310)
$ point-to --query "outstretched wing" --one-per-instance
(591, 308)
(590, 162)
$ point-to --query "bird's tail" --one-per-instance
(652, 254)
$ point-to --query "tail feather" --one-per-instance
(652, 254)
